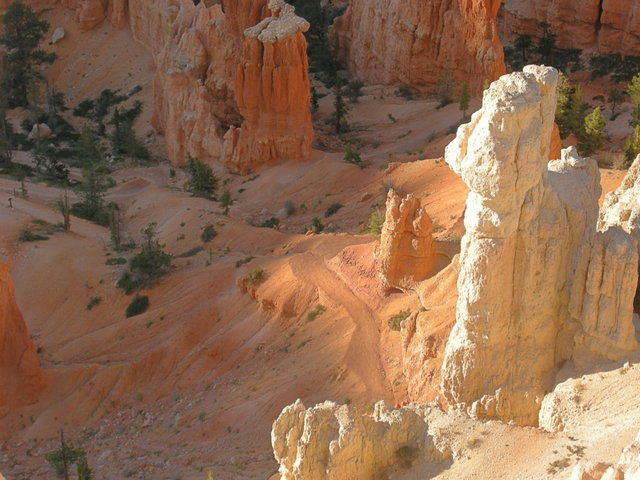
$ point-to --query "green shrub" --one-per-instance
(27, 235)
(208, 233)
(115, 261)
(93, 302)
(315, 312)
(316, 225)
(244, 261)
(256, 276)
(272, 222)
(191, 253)
(333, 209)
(395, 321)
(128, 283)
(139, 305)
(202, 180)
(376, 221)
(352, 156)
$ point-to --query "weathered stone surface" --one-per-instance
(58, 34)
(627, 468)
(416, 43)
(20, 375)
(272, 92)
(39, 131)
(405, 254)
(333, 442)
(538, 284)
(602, 25)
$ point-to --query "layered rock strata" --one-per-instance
(605, 26)
(416, 43)
(405, 253)
(333, 442)
(538, 284)
(226, 69)
(20, 375)
(272, 93)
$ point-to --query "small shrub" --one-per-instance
(139, 305)
(315, 312)
(93, 302)
(407, 92)
(333, 209)
(225, 199)
(115, 261)
(128, 283)
(272, 222)
(289, 208)
(376, 221)
(244, 261)
(316, 225)
(191, 253)
(202, 180)
(395, 321)
(208, 233)
(256, 276)
(352, 156)
(27, 235)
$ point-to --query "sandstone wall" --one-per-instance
(601, 25)
(415, 42)
(538, 284)
(20, 374)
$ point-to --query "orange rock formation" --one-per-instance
(416, 43)
(20, 374)
(272, 93)
(604, 25)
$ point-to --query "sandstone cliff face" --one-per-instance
(272, 92)
(213, 80)
(405, 254)
(415, 42)
(333, 442)
(538, 284)
(603, 25)
(20, 374)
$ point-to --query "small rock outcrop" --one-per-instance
(627, 468)
(606, 26)
(538, 283)
(20, 375)
(333, 442)
(272, 92)
(416, 43)
(405, 254)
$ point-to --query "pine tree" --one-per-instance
(615, 98)
(632, 146)
(339, 116)
(593, 136)
(465, 96)
(22, 34)
(633, 90)
(202, 179)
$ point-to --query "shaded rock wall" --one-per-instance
(538, 284)
(604, 26)
(415, 42)
(20, 375)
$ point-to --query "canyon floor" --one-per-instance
(193, 385)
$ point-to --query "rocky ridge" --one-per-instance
(418, 44)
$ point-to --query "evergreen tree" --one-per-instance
(615, 98)
(593, 136)
(6, 137)
(339, 116)
(632, 146)
(465, 96)
(633, 90)
(314, 100)
(202, 180)
(95, 184)
(523, 45)
(22, 34)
